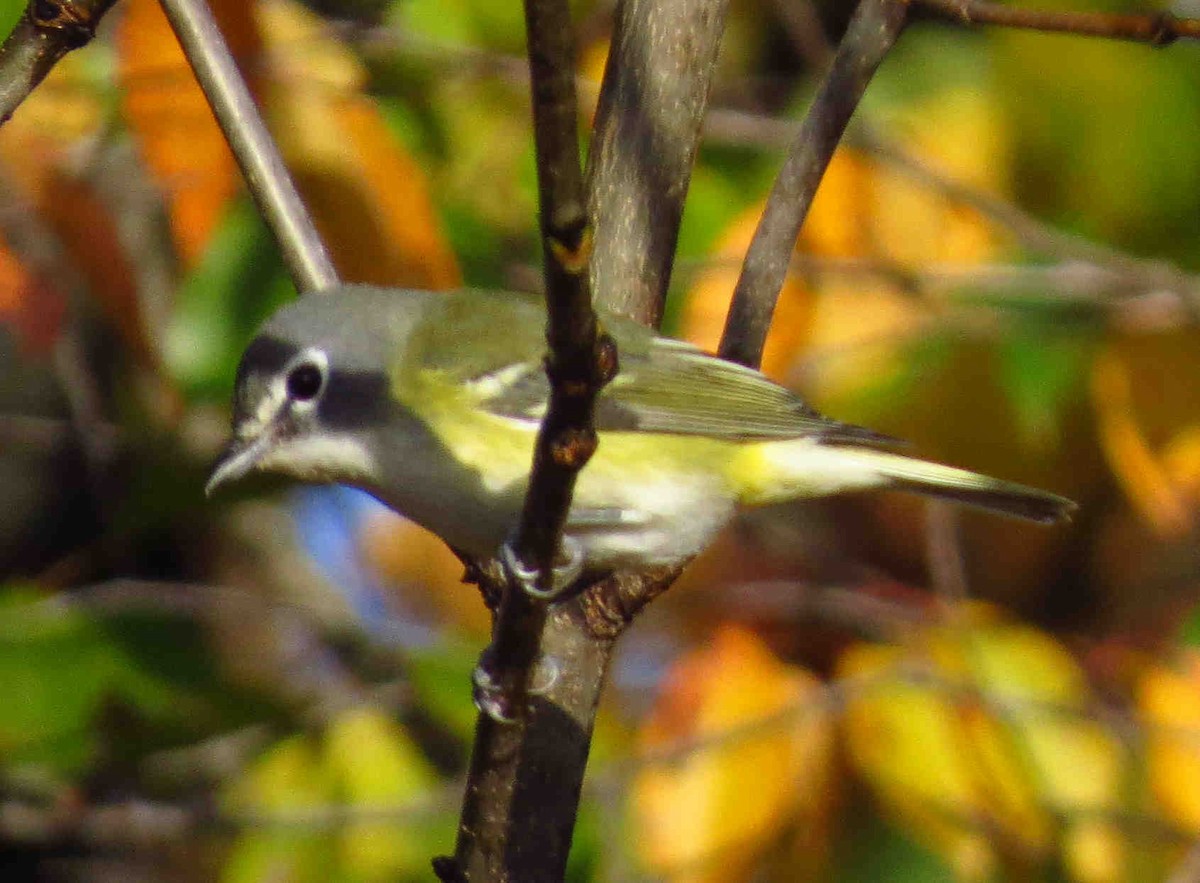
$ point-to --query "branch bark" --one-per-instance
(46, 31)
(872, 32)
(652, 103)
(1156, 29)
(526, 773)
(525, 778)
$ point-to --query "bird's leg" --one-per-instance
(495, 691)
(562, 577)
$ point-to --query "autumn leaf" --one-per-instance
(736, 722)
(1169, 698)
(167, 113)
(369, 198)
(977, 757)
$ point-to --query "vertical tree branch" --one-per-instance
(580, 360)
(266, 176)
(525, 777)
(526, 773)
(652, 104)
(872, 32)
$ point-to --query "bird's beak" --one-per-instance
(239, 457)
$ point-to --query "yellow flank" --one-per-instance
(755, 474)
(798, 468)
(500, 450)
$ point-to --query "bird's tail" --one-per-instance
(782, 470)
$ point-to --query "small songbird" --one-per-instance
(431, 402)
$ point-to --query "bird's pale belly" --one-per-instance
(627, 509)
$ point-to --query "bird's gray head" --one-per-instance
(313, 387)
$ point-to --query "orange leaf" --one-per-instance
(1142, 476)
(706, 813)
(89, 233)
(413, 560)
(169, 116)
(31, 309)
(709, 298)
(369, 198)
(1170, 700)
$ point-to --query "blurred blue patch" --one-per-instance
(329, 520)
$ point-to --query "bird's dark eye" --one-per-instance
(304, 382)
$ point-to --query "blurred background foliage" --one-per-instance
(275, 686)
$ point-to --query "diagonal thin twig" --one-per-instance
(872, 32)
(45, 33)
(266, 176)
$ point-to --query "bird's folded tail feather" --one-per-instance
(776, 471)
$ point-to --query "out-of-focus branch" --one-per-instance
(647, 131)
(872, 32)
(266, 176)
(142, 824)
(648, 126)
(46, 31)
(1157, 29)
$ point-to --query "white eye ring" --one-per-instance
(305, 376)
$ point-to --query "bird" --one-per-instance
(432, 401)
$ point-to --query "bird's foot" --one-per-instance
(498, 699)
(563, 575)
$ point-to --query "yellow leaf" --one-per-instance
(1181, 461)
(375, 766)
(770, 739)
(970, 759)
(369, 198)
(286, 779)
(1170, 701)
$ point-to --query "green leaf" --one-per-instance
(441, 681)
(1043, 368)
(58, 669)
(878, 851)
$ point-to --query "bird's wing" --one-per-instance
(673, 387)
(663, 386)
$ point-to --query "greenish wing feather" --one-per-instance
(678, 389)
(662, 386)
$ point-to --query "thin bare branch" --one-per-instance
(872, 32)
(525, 775)
(46, 31)
(648, 121)
(944, 553)
(1156, 29)
(581, 360)
(266, 176)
